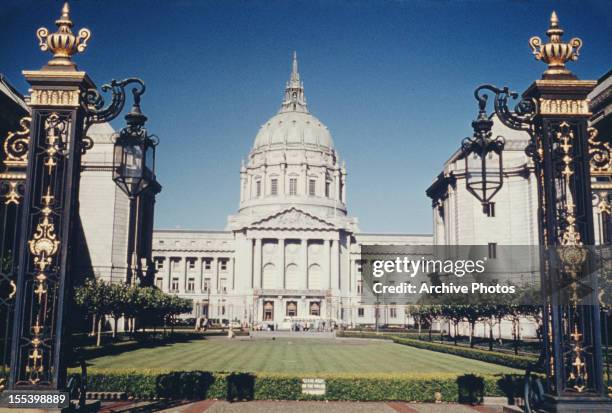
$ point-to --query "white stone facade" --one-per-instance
(104, 210)
(291, 252)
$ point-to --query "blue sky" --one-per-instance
(393, 81)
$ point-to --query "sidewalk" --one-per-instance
(213, 406)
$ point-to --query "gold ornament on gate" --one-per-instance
(63, 43)
(555, 53)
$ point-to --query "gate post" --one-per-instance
(50, 207)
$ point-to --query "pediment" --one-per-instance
(292, 218)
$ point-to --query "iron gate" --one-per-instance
(13, 160)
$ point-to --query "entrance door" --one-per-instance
(268, 311)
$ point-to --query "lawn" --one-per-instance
(295, 356)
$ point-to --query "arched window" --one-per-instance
(291, 309)
(315, 308)
(269, 275)
(291, 274)
(314, 277)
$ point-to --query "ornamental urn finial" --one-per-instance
(63, 43)
(555, 53)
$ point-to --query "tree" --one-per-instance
(118, 295)
(94, 297)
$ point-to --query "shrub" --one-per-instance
(509, 360)
(196, 385)
(471, 389)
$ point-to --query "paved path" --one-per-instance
(212, 406)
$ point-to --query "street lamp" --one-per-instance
(134, 151)
(483, 156)
(134, 171)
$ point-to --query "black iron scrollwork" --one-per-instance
(520, 118)
(482, 141)
(93, 102)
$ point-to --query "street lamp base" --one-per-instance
(580, 404)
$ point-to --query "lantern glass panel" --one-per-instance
(117, 161)
(484, 175)
(149, 161)
(133, 162)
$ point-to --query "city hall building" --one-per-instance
(291, 252)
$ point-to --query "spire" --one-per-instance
(294, 99)
(295, 75)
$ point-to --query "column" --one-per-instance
(232, 262)
(303, 281)
(183, 275)
(335, 256)
(347, 265)
(280, 279)
(343, 188)
(304, 176)
(214, 279)
(200, 278)
(169, 273)
(337, 185)
(257, 281)
(327, 264)
(281, 189)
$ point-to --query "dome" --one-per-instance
(293, 124)
(293, 128)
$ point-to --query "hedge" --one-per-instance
(496, 357)
(195, 385)
(509, 360)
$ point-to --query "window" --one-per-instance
(312, 187)
(159, 263)
(340, 190)
(191, 263)
(268, 310)
(175, 285)
(360, 312)
(292, 186)
(359, 265)
(291, 309)
(393, 312)
(359, 286)
(223, 285)
(207, 264)
(174, 264)
(274, 186)
(190, 285)
(159, 282)
(206, 285)
(161, 242)
(258, 189)
(315, 308)
(490, 209)
(492, 250)
(327, 187)
(223, 265)
(223, 309)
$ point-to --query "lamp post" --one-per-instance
(483, 156)
(554, 111)
(134, 172)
